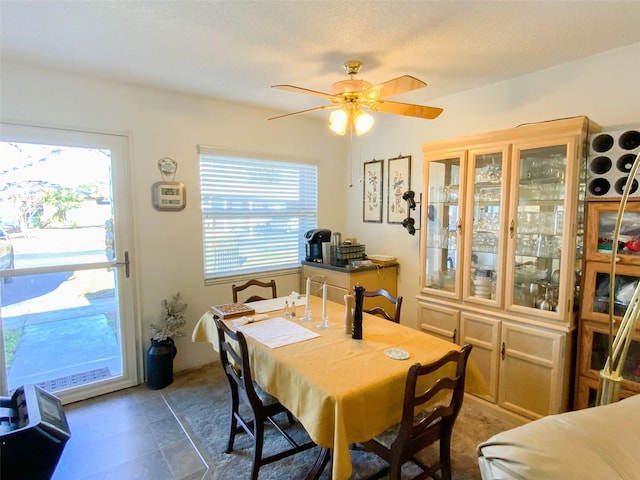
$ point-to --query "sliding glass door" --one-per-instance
(66, 286)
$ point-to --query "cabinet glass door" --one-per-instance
(596, 300)
(594, 354)
(600, 352)
(484, 226)
(601, 222)
(443, 225)
(536, 228)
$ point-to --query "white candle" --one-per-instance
(307, 291)
(324, 301)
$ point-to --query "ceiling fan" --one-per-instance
(348, 97)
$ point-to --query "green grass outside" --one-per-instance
(12, 338)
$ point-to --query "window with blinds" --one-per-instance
(254, 213)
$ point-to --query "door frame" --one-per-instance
(119, 143)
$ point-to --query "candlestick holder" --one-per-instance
(324, 316)
(325, 323)
(307, 314)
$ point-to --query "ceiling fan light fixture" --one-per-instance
(350, 96)
(362, 121)
(338, 121)
(351, 118)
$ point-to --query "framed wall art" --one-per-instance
(399, 181)
(372, 191)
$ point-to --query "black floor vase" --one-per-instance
(160, 363)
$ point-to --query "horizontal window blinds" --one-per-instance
(255, 213)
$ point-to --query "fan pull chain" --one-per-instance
(351, 159)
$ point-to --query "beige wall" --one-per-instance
(161, 123)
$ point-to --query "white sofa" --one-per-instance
(594, 443)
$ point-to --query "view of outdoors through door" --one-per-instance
(60, 298)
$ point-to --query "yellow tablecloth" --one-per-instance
(342, 390)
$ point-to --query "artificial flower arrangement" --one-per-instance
(173, 321)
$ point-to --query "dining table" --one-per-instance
(343, 391)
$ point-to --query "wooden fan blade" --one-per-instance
(306, 91)
(399, 85)
(315, 109)
(407, 109)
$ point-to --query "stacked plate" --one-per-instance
(481, 287)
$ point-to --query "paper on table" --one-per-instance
(277, 332)
(273, 304)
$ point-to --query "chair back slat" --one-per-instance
(254, 283)
(378, 310)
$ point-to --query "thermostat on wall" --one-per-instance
(169, 196)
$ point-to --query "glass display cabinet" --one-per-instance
(538, 228)
(443, 225)
(501, 240)
(486, 194)
(593, 339)
(500, 237)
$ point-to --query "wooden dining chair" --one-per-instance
(396, 302)
(263, 407)
(254, 283)
(438, 405)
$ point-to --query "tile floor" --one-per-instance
(130, 434)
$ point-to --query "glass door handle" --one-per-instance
(512, 228)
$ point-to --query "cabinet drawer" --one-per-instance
(443, 322)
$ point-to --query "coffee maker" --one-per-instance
(313, 246)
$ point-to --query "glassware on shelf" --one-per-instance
(482, 284)
(547, 302)
(434, 194)
(487, 220)
(486, 242)
(558, 217)
(452, 237)
(543, 246)
(448, 279)
(444, 237)
(545, 167)
(530, 273)
(534, 292)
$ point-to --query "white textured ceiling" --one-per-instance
(236, 49)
